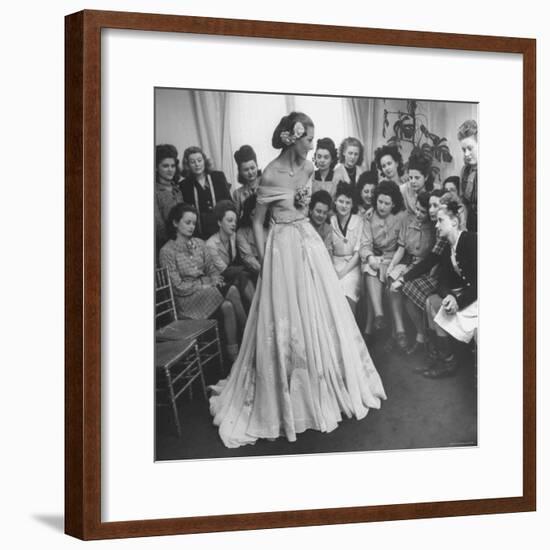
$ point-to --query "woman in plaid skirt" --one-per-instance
(421, 280)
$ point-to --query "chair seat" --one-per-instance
(171, 351)
(184, 329)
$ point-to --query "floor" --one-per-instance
(419, 413)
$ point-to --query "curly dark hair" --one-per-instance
(185, 160)
(321, 196)
(175, 216)
(393, 152)
(222, 207)
(328, 145)
(353, 142)
(391, 189)
(286, 124)
(165, 151)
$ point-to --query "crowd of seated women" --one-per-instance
(403, 245)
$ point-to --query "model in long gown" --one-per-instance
(303, 362)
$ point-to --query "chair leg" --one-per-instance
(219, 349)
(201, 373)
(173, 400)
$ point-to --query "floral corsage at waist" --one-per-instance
(302, 198)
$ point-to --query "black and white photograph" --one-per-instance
(315, 274)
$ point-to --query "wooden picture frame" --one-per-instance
(83, 274)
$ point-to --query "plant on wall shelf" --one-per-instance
(410, 127)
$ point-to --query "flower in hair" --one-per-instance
(289, 138)
(298, 130)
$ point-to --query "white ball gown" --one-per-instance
(303, 362)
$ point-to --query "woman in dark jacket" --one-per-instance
(203, 188)
(453, 310)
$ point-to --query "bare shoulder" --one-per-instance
(309, 168)
(269, 175)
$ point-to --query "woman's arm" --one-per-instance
(215, 256)
(247, 255)
(350, 265)
(258, 228)
(397, 257)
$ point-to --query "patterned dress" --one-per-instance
(421, 281)
(190, 268)
(303, 363)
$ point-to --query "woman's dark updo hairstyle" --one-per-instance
(165, 151)
(367, 177)
(321, 196)
(328, 145)
(455, 180)
(175, 216)
(391, 189)
(244, 154)
(417, 161)
(452, 204)
(286, 124)
(353, 142)
(393, 152)
(423, 199)
(185, 161)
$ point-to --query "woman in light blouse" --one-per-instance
(419, 179)
(347, 229)
(349, 168)
(196, 282)
(389, 162)
(416, 239)
(379, 243)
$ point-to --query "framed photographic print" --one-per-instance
(285, 290)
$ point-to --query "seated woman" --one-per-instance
(389, 162)
(195, 280)
(366, 184)
(203, 188)
(249, 176)
(167, 193)
(246, 243)
(420, 281)
(347, 229)
(350, 156)
(416, 240)
(453, 310)
(325, 159)
(419, 179)
(319, 209)
(378, 245)
(225, 255)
